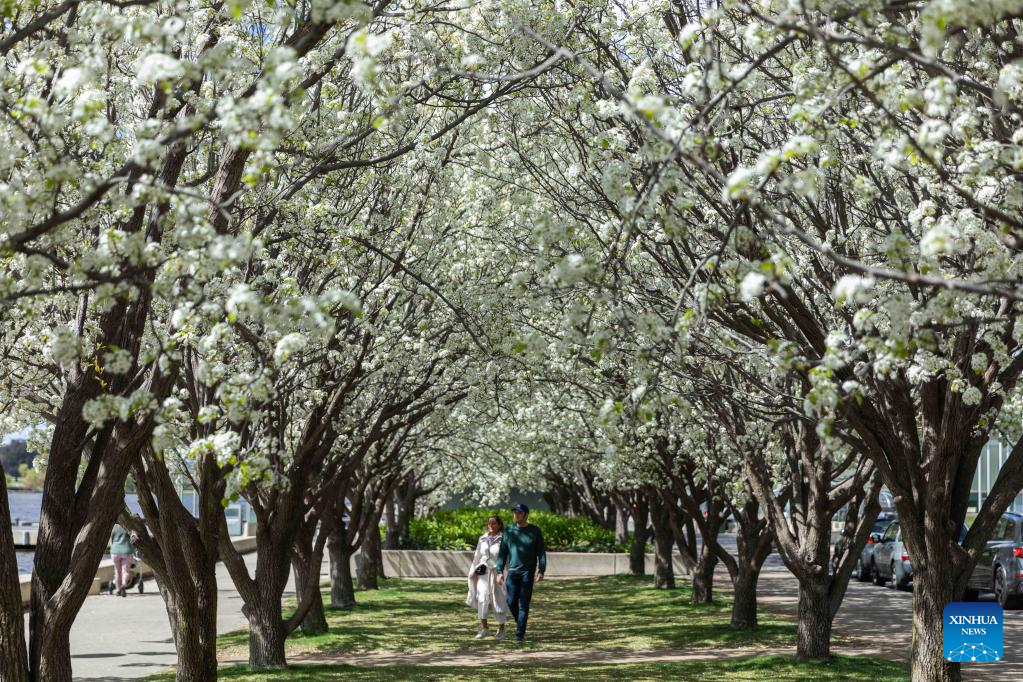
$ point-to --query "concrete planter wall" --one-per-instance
(416, 563)
(412, 563)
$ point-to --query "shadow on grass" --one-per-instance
(613, 612)
(775, 668)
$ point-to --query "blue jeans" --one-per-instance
(520, 593)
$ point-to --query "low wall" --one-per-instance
(24, 536)
(414, 563)
(105, 571)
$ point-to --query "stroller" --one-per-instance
(136, 578)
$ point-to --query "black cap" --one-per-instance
(521, 508)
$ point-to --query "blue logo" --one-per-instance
(972, 632)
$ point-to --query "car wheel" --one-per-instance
(864, 573)
(894, 579)
(899, 583)
(1002, 594)
(879, 579)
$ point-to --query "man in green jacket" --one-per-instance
(524, 555)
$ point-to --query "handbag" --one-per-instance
(481, 569)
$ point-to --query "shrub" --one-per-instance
(461, 528)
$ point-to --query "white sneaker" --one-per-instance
(483, 633)
(500, 635)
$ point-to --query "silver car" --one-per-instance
(891, 562)
(865, 567)
(891, 559)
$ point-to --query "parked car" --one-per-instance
(1000, 566)
(864, 567)
(891, 562)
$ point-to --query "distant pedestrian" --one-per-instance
(121, 551)
(485, 593)
(524, 555)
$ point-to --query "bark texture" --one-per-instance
(744, 604)
(664, 540)
(640, 535)
(621, 524)
(703, 577)
(932, 590)
(266, 635)
(342, 591)
(194, 625)
(13, 654)
(813, 632)
(182, 550)
(315, 621)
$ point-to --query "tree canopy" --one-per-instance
(756, 258)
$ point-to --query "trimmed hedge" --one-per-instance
(461, 528)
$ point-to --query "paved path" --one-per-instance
(125, 639)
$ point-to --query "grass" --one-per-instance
(613, 612)
(775, 668)
(600, 615)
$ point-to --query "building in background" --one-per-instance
(238, 513)
(992, 457)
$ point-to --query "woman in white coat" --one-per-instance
(486, 595)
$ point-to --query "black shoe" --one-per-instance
(121, 593)
(520, 638)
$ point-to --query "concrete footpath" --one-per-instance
(130, 638)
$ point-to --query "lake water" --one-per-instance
(25, 505)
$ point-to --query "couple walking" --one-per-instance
(521, 551)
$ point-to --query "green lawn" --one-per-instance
(774, 668)
(602, 615)
(614, 612)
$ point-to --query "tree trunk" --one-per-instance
(54, 662)
(368, 563)
(744, 599)
(664, 573)
(315, 621)
(266, 637)
(13, 655)
(813, 632)
(366, 571)
(932, 590)
(703, 578)
(391, 542)
(376, 553)
(621, 524)
(406, 507)
(342, 594)
(637, 552)
(182, 551)
(263, 592)
(194, 625)
(307, 574)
